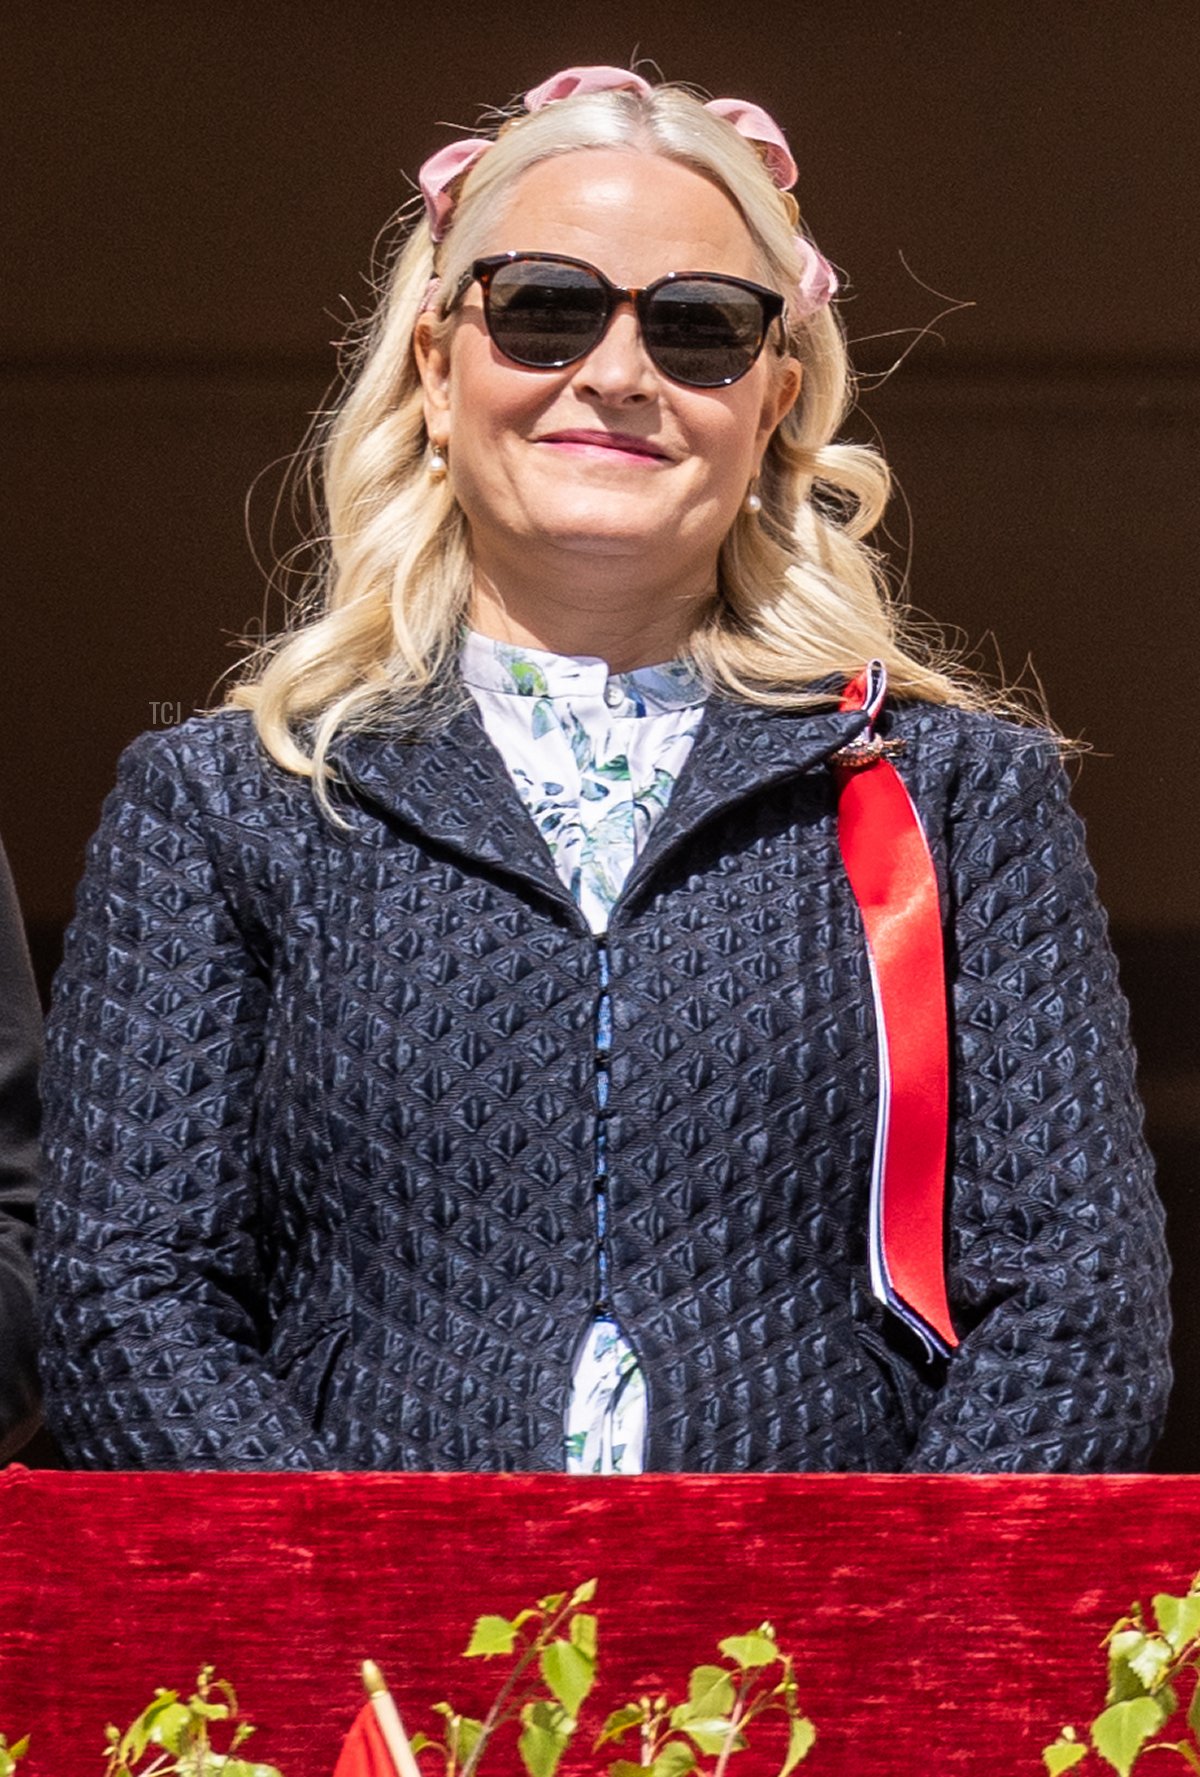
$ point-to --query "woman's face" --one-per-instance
(606, 461)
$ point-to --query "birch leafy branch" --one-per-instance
(722, 1702)
(553, 1647)
(174, 1738)
(1153, 1698)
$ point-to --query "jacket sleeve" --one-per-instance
(150, 1266)
(1057, 1266)
(20, 1051)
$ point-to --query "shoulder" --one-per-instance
(937, 730)
(969, 758)
(220, 744)
(993, 796)
(214, 764)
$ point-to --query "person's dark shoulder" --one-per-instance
(951, 728)
(214, 766)
(973, 756)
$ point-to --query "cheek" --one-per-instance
(489, 398)
(733, 445)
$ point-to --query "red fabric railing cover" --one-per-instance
(943, 1625)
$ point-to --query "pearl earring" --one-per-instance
(752, 503)
(435, 463)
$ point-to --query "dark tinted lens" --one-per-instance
(545, 314)
(703, 332)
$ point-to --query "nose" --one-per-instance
(618, 370)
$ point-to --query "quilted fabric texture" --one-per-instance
(320, 1111)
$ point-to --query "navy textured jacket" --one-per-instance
(321, 1106)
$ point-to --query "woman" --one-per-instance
(468, 1054)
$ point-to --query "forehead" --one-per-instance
(635, 215)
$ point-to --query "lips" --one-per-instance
(611, 443)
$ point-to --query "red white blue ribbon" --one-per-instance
(888, 862)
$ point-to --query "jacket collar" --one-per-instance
(452, 786)
(740, 750)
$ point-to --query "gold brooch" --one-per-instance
(858, 753)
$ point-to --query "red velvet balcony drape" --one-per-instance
(943, 1625)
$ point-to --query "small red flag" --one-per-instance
(364, 1751)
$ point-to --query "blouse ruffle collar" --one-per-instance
(489, 665)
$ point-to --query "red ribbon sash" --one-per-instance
(887, 860)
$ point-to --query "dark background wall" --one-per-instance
(191, 200)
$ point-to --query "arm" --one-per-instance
(153, 1293)
(1058, 1271)
(20, 1052)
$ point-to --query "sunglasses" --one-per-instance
(699, 328)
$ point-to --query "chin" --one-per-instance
(606, 539)
(608, 522)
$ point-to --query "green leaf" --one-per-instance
(136, 1737)
(584, 1594)
(801, 1739)
(468, 1733)
(755, 1649)
(544, 1736)
(170, 1727)
(1178, 1618)
(1193, 1714)
(1167, 1698)
(569, 1674)
(583, 1635)
(1123, 1642)
(624, 1767)
(420, 1741)
(551, 1602)
(1063, 1755)
(1124, 1646)
(710, 1734)
(619, 1722)
(710, 1692)
(134, 1742)
(675, 1759)
(491, 1635)
(209, 1711)
(1122, 1730)
(1151, 1661)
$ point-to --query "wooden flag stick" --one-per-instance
(390, 1725)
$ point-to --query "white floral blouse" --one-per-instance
(594, 757)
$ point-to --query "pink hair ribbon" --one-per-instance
(572, 83)
(439, 173)
(756, 125)
(818, 280)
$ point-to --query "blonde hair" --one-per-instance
(800, 595)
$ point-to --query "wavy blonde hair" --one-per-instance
(800, 595)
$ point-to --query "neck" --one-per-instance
(608, 616)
